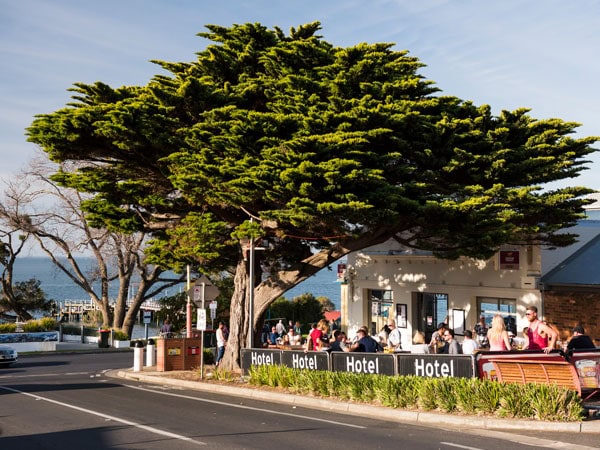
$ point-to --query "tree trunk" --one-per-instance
(238, 319)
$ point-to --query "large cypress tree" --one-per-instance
(330, 149)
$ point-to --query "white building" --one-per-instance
(419, 290)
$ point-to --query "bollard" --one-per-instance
(150, 355)
(138, 356)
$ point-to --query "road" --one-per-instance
(58, 401)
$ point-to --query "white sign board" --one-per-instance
(147, 316)
(203, 291)
(201, 322)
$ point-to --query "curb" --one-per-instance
(360, 409)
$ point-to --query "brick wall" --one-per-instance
(565, 309)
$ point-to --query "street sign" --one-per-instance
(201, 322)
(147, 316)
(203, 291)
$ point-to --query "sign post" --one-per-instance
(202, 291)
(147, 319)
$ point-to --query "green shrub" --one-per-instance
(48, 324)
(209, 356)
(468, 395)
(8, 327)
(119, 335)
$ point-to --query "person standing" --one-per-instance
(280, 328)
(580, 341)
(469, 345)
(539, 335)
(166, 330)
(453, 346)
(221, 342)
(481, 330)
(498, 336)
(394, 338)
(298, 328)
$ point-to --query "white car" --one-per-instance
(8, 355)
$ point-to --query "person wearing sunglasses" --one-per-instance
(454, 347)
(539, 335)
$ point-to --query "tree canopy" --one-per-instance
(332, 149)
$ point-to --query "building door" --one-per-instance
(381, 308)
(431, 310)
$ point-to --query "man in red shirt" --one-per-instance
(540, 336)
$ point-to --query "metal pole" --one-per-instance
(188, 324)
(202, 340)
(251, 294)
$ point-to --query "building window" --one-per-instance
(432, 309)
(488, 307)
(381, 308)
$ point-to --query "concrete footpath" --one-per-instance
(148, 375)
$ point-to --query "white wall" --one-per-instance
(390, 267)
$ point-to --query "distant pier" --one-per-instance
(76, 310)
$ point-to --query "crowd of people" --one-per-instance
(499, 336)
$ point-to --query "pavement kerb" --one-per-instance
(359, 409)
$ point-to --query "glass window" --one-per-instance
(380, 309)
(488, 307)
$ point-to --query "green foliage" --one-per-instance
(29, 296)
(467, 395)
(8, 327)
(119, 335)
(92, 318)
(209, 356)
(304, 308)
(333, 149)
(43, 324)
(320, 141)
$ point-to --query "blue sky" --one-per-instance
(540, 54)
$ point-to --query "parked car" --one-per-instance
(8, 355)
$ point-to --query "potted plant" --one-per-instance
(120, 339)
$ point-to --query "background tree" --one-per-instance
(329, 149)
(12, 243)
(52, 216)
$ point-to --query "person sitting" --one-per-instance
(273, 336)
(419, 345)
(469, 345)
(394, 340)
(454, 347)
(580, 340)
(292, 337)
(339, 344)
(365, 343)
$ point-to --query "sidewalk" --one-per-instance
(150, 375)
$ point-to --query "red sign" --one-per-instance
(509, 260)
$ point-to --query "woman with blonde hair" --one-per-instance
(498, 336)
(419, 345)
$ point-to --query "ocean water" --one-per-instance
(59, 287)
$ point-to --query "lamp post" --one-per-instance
(249, 244)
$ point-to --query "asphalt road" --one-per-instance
(59, 401)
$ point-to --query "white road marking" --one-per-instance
(108, 417)
(233, 405)
(529, 441)
(460, 446)
(41, 375)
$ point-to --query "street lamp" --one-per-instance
(248, 243)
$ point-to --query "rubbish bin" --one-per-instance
(103, 338)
